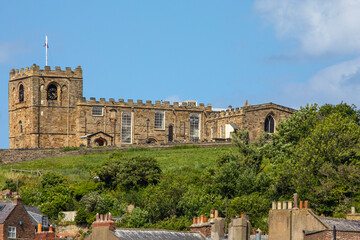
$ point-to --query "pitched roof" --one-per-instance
(135, 234)
(6, 208)
(341, 224)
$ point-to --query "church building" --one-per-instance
(47, 110)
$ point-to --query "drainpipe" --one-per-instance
(334, 232)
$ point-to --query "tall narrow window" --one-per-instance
(269, 124)
(12, 232)
(52, 92)
(21, 93)
(222, 132)
(21, 127)
(126, 127)
(160, 120)
(194, 127)
(212, 133)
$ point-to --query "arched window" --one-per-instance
(269, 124)
(52, 92)
(21, 93)
(21, 127)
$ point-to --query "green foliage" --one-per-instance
(138, 149)
(138, 218)
(185, 146)
(130, 173)
(84, 217)
(12, 185)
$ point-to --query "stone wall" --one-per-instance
(328, 235)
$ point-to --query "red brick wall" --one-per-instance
(25, 230)
(45, 236)
(328, 235)
(205, 230)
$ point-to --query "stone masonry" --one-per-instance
(47, 110)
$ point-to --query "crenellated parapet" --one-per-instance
(35, 70)
(147, 104)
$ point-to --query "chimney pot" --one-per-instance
(201, 218)
(289, 204)
(39, 227)
(212, 211)
(216, 213)
(198, 220)
(194, 220)
(353, 210)
(110, 216)
(278, 205)
(284, 205)
(97, 217)
(301, 204)
(50, 228)
(295, 200)
(101, 217)
(306, 204)
(273, 205)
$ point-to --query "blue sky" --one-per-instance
(290, 52)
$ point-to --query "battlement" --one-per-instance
(35, 70)
(142, 104)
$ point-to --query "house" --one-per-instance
(288, 221)
(15, 222)
(18, 221)
(104, 228)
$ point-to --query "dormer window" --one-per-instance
(21, 93)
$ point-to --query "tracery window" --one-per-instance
(194, 127)
(160, 120)
(126, 127)
(21, 93)
(52, 92)
(269, 124)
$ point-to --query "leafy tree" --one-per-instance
(130, 173)
(138, 218)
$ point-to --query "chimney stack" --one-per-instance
(17, 200)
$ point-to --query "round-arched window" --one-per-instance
(52, 92)
(21, 93)
(269, 124)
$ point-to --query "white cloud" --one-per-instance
(174, 98)
(340, 82)
(320, 26)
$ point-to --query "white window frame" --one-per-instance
(95, 111)
(125, 127)
(45, 221)
(159, 117)
(195, 133)
(11, 232)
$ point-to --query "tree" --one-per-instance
(130, 173)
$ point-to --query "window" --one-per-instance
(160, 120)
(126, 127)
(269, 124)
(12, 232)
(194, 127)
(212, 133)
(97, 111)
(52, 93)
(221, 132)
(45, 221)
(21, 93)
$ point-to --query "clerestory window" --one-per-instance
(269, 124)
(97, 111)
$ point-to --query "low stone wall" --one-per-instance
(8, 156)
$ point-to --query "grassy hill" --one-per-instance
(178, 160)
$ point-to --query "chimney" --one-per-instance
(107, 222)
(295, 200)
(17, 200)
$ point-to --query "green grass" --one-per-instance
(78, 168)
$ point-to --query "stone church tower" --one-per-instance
(42, 107)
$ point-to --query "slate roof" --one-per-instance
(341, 224)
(6, 208)
(135, 234)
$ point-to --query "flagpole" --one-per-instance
(46, 47)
